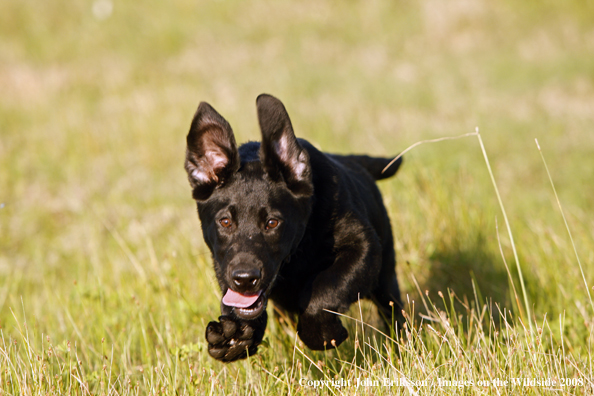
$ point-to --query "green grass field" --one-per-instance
(106, 285)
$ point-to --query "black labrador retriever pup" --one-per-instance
(289, 223)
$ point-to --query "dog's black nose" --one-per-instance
(246, 279)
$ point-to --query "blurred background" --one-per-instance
(97, 98)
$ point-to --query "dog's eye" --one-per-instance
(225, 222)
(271, 223)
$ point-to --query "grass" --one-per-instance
(106, 285)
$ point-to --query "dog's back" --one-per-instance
(373, 165)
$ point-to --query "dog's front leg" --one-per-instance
(352, 275)
(232, 338)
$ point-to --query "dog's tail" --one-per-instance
(376, 165)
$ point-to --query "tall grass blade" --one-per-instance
(511, 237)
(577, 256)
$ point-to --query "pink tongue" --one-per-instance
(234, 299)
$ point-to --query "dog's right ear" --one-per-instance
(211, 153)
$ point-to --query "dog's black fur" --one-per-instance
(303, 228)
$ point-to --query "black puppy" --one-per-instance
(289, 223)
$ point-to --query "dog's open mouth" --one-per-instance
(245, 306)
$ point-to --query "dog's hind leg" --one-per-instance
(386, 295)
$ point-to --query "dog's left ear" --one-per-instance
(281, 154)
(211, 154)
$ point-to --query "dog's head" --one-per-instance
(254, 203)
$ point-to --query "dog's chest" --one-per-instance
(296, 275)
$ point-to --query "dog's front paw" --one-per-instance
(231, 339)
(319, 334)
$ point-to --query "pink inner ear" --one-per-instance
(296, 164)
(200, 176)
(210, 165)
(217, 159)
(281, 147)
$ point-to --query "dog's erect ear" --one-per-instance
(211, 154)
(280, 152)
